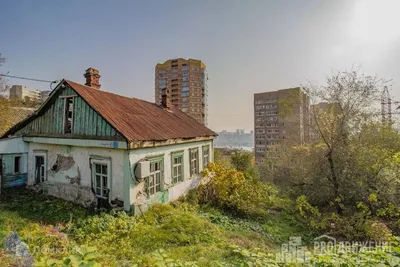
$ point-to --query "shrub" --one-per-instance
(230, 189)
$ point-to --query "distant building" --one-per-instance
(186, 81)
(238, 139)
(280, 116)
(239, 131)
(44, 95)
(21, 92)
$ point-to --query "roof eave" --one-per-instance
(158, 143)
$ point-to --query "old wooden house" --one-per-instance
(93, 147)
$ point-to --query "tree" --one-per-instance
(244, 161)
(5, 107)
(344, 164)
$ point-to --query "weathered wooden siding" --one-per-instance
(86, 121)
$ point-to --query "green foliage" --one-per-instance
(83, 256)
(163, 226)
(231, 190)
(5, 115)
(244, 161)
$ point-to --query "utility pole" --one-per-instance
(386, 107)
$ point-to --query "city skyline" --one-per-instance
(249, 48)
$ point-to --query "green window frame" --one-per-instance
(194, 161)
(206, 156)
(155, 181)
(177, 167)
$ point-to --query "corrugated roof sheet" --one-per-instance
(140, 120)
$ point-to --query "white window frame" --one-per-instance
(95, 162)
(206, 148)
(153, 175)
(175, 166)
(44, 155)
(194, 162)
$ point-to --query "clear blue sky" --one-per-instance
(248, 46)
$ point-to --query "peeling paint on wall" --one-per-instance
(76, 179)
(63, 163)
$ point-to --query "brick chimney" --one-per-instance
(92, 76)
(165, 98)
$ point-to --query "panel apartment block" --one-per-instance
(280, 116)
(187, 81)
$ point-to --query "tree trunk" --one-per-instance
(335, 183)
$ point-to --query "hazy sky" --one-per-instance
(248, 46)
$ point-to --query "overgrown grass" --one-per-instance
(184, 231)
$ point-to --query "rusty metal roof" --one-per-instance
(140, 120)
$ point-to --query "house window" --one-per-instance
(206, 156)
(177, 167)
(155, 179)
(68, 115)
(101, 179)
(17, 161)
(40, 167)
(194, 161)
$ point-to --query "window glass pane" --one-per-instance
(98, 168)
(104, 181)
(98, 191)
(158, 188)
(104, 167)
(98, 181)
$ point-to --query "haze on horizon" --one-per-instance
(248, 46)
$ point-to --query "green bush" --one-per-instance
(231, 190)
(163, 226)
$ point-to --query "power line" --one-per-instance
(25, 78)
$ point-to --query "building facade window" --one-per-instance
(194, 161)
(40, 165)
(68, 114)
(177, 167)
(101, 179)
(206, 156)
(17, 164)
(156, 177)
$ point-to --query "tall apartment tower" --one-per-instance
(187, 81)
(279, 116)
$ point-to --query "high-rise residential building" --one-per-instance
(186, 80)
(21, 92)
(279, 116)
(44, 95)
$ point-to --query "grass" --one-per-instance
(183, 231)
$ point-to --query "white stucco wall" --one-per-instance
(82, 157)
(13, 146)
(171, 191)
